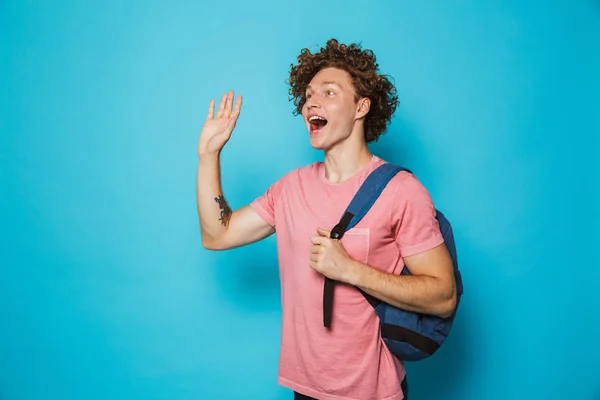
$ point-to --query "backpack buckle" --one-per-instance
(337, 232)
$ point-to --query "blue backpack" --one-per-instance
(410, 336)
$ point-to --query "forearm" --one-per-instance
(418, 293)
(213, 211)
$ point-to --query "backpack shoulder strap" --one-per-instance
(365, 197)
(359, 206)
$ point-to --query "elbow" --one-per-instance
(209, 243)
(447, 306)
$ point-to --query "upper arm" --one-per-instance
(252, 222)
(435, 263)
(419, 239)
(245, 227)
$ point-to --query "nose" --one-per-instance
(312, 102)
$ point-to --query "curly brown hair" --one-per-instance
(367, 82)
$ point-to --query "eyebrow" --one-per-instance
(336, 83)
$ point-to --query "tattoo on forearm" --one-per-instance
(225, 210)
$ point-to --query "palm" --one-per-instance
(217, 129)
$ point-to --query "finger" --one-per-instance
(316, 239)
(222, 106)
(211, 110)
(237, 107)
(323, 232)
(229, 104)
(315, 249)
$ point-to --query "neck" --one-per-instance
(346, 159)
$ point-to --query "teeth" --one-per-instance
(315, 117)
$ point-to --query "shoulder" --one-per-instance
(410, 200)
(403, 179)
(309, 169)
(304, 173)
(405, 187)
(407, 184)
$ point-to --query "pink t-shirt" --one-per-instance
(350, 360)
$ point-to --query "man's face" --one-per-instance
(330, 110)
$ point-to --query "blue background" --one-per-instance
(105, 289)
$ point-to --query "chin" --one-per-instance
(319, 141)
(318, 144)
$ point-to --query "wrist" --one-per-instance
(209, 156)
(356, 273)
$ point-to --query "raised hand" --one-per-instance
(217, 129)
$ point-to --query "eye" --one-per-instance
(330, 92)
(308, 96)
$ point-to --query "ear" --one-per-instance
(362, 108)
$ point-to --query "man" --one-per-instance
(345, 104)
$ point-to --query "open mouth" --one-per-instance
(317, 123)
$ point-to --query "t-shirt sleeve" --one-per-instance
(413, 214)
(265, 204)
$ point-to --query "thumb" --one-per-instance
(323, 232)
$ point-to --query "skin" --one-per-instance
(331, 95)
(430, 289)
